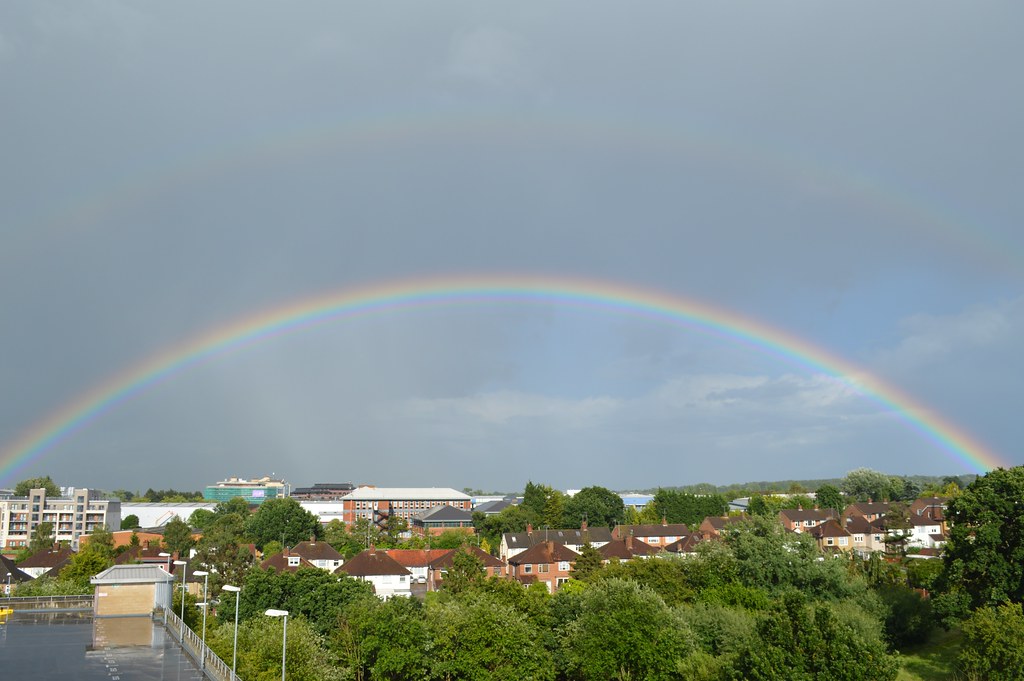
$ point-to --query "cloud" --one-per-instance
(488, 56)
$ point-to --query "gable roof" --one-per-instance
(829, 528)
(687, 544)
(445, 561)
(411, 558)
(371, 563)
(869, 507)
(655, 530)
(494, 507)
(545, 552)
(858, 524)
(7, 567)
(531, 538)
(49, 557)
(132, 574)
(316, 550)
(802, 514)
(626, 548)
(279, 562)
(445, 513)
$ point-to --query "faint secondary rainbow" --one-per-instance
(491, 289)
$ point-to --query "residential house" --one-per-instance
(803, 520)
(658, 535)
(388, 577)
(513, 543)
(687, 545)
(417, 561)
(927, 532)
(870, 510)
(319, 553)
(831, 536)
(49, 560)
(712, 527)
(439, 567)
(549, 562)
(863, 534)
(932, 507)
(286, 561)
(11, 576)
(627, 548)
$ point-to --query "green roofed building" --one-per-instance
(253, 491)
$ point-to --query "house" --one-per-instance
(685, 546)
(831, 536)
(48, 561)
(932, 507)
(627, 548)
(286, 561)
(801, 520)
(388, 577)
(439, 567)
(712, 527)
(417, 561)
(862, 535)
(126, 590)
(927, 532)
(870, 510)
(10, 575)
(549, 562)
(438, 519)
(319, 553)
(658, 535)
(513, 543)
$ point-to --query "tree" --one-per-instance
(283, 520)
(259, 650)
(829, 496)
(24, 488)
(984, 557)
(991, 645)
(535, 498)
(42, 537)
(682, 507)
(864, 483)
(509, 519)
(624, 631)
(466, 572)
(130, 522)
(201, 518)
(599, 506)
(383, 640)
(178, 537)
(587, 564)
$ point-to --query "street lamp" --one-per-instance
(284, 639)
(234, 655)
(184, 573)
(164, 554)
(206, 582)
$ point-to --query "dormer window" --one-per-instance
(293, 561)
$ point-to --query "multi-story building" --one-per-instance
(377, 504)
(72, 516)
(254, 491)
(323, 491)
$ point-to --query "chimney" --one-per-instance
(529, 529)
(583, 526)
(286, 552)
(629, 543)
(664, 521)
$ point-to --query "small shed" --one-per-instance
(125, 590)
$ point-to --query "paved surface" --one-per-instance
(75, 647)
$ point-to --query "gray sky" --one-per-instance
(848, 173)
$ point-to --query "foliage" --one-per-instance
(283, 520)
(599, 506)
(101, 541)
(801, 642)
(680, 507)
(85, 565)
(178, 537)
(315, 594)
(347, 543)
(201, 518)
(984, 557)
(53, 586)
(863, 484)
(130, 522)
(535, 498)
(992, 647)
(382, 640)
(509, 519)
(923, 573)
(829, 496)
(450, 539)
(908, 618)
(193, 615)
(260, 646)
(222, 549)
(624, 631)
(467, 570)
(480, 639)
(42, 537)
(588, 563)
(171, 496)
(24, 488)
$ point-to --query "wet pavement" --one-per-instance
(74, 646)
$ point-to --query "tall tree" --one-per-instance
(130, 522)
(682, 507)
(535, 498)
(23, 488)
(863, 484)
(283, 520)
(178, 537)
(600, 506)
(42, 537)
(984, 557)
(829, 496)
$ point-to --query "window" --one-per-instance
(843, 541)
(293, 561)
(527, 569)
(543, 567)
(563, 566)
(830, 541)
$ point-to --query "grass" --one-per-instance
(933, 661)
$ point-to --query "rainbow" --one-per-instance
(615, 297)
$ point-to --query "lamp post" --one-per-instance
(284, 639)
(206, 604)
(184, 573)
(164, 554)
(234, 655)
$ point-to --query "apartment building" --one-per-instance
(72, 516)
(377, 504)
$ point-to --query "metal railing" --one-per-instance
(191, 643)
(30, 603)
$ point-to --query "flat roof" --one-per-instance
(407, 493)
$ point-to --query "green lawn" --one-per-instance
(934, 661)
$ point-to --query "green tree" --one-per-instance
(283, 520)
(624, 631)
(554, 510)
(316, 594)
(23, 488)
(510, 519)
(587, 564)
(201, 518)
(535, 498)
(85, 565)
(992, 647)
(682, 507)
(101, 541)
(599, 506)
(466, 572)
(383, 640)
(863, 484)
(259, 650)
(178, 537)
(130, 522)
(984, 557)
(42, 538)
(223, 550)
(829, 497)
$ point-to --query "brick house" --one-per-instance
(548, 562)
(388, 577)
(658, 536)
(803, 520)
(319, 553)
(626, 549)
(513, 543)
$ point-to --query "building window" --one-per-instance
(563, 566)
(830, 541)
(543, 567)
(527, 569)
(843, 541)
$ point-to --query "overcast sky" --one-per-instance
(850, 173)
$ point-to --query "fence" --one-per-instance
(191, 643)
(49, 603)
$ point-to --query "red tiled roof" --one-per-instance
(545, 552)
(316, 550)
(279, 561)
(416, 557)
(447, 559)
(371, 563)
(627, 548)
